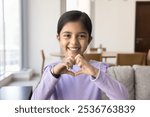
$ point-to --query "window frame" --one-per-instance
(23, 38)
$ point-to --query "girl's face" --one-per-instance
(73, 39)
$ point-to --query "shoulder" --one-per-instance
(51, 65)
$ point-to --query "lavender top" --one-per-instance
(81, 87)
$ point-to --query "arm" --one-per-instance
(113, 89)
(45, 88)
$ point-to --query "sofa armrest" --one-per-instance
(142, 82)
(125, 75)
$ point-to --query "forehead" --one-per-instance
(73, 26)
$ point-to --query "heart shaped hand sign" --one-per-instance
(86, 68)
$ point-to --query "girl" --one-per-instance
(75, 77)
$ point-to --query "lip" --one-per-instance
(74, 49)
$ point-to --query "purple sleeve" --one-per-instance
(113, 89)
(45, 88)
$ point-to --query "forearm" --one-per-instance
(46, 86)
(113, 89)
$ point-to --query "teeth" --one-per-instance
(74, 49)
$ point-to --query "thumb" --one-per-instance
(79, 72)
(70, 73)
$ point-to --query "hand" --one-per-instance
(86, 68)
(63, 68)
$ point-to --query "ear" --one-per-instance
(58, 37)
(90, 39)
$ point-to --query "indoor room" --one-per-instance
(28, 42)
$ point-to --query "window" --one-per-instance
(82, 5)
(10, 36)
(71, 5)
(86, 6)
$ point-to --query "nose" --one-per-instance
(74, 40)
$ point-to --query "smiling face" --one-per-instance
(73, 39)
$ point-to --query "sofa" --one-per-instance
(136, 79)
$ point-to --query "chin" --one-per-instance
(72, 54)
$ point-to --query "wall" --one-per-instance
(42, 20)
(115, 24)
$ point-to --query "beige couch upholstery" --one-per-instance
(136, 79)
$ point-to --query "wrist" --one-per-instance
(53, 72)
(95, 73)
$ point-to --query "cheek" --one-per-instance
(62, 48)
(84, 46)
(63, 44)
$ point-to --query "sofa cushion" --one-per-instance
(142, 82)
(125, 75)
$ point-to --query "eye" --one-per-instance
(66, 36)
(82, 36)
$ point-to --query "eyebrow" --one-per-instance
(77, 33)
(83, 33)
(66, 32)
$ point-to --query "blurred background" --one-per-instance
(29, 26)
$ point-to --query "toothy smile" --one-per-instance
(73, 48)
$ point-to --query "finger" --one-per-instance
(70, 73)
(79, 72)
(77, 61)
(70, 62)
(68, 66)
(64, 66)
(80, 64)
(72, 59)
(77, 56)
